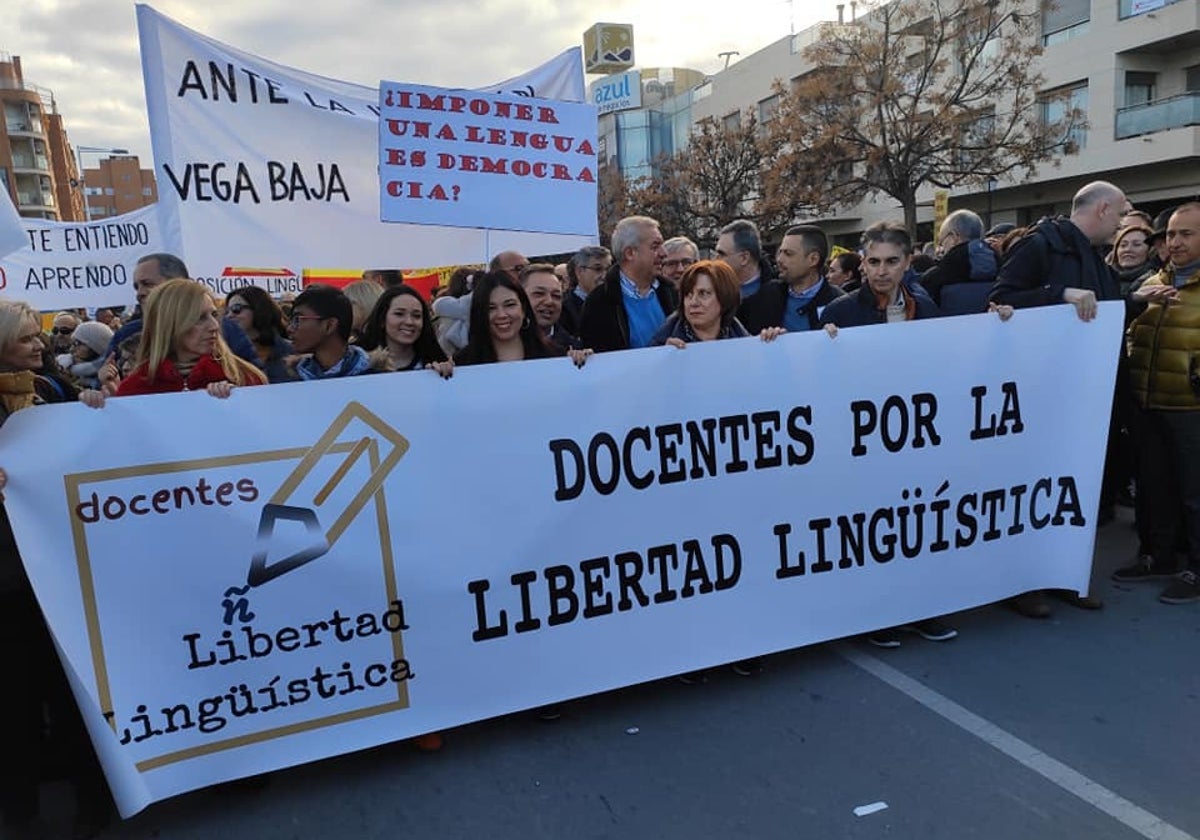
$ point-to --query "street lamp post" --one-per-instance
(94, 150)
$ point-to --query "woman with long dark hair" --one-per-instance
(503, 327)
(261, 319)
(399, 333)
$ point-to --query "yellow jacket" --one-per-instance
(1164, 359)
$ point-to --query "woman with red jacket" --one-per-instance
(182, 348)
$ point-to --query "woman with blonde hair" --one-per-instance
(182, 348)
(35, 689)
(363, 294)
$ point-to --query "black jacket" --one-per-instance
(1052, 257)
(862, 308)
(966, 262)
(765, 307)
(604, 325)
(572, 312)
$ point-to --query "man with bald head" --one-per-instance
(509, 261)
(1059, 261)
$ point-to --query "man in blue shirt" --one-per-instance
(796, 300)
(629, 306)
(740, 246)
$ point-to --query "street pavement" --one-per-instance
(1082, 725)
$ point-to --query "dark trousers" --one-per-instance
(1168, 480)
(36, 701)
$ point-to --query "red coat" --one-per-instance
(206, 371)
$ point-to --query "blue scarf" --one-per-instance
(355, 361)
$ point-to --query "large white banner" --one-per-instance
(447, 157)
(265, 170)
(65, 265)
(12, 234)
(234, 593)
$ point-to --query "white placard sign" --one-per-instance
(235, 594)
(66, 265)
(265, 170)
(454, 157)
(12, 234)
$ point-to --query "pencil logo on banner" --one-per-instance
(385, 449)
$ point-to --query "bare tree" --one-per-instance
(916, 92)
(724, 173)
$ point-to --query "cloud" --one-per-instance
(86, 51)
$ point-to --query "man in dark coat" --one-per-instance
(630, 305)
(797, 298)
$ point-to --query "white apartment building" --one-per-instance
(1132, 68)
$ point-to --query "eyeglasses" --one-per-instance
(237, 308)
(295, 320)
(63, 330)
(680, 263)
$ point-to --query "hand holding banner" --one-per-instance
(407, 555)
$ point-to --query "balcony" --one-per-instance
(35, 200)
(23, 127)
(1161, 115)
(33, 163)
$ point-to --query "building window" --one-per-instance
(767, 108)
(94, 190)
(125, 177)
(146, 191)
(1192, 78)
(1133, 8)
(1139, 87)
(732, 122)
(1064, 19)
(109, 191)
(1064, 114)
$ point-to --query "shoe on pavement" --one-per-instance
(1083, 602)
(889, 637)
(1185, 589)
(1031, 604)
(1143, 569)
(748, 667)
(932, 629)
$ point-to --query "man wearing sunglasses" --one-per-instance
(60, 333)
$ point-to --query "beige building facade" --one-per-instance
(37, 166)
(1130, 67)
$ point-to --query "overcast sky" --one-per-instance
(86, 51)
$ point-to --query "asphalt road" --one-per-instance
(1083, 725)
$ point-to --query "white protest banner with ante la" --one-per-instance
(66, 265)
(453, 157)
(230, 603)
(12, 234)
(267, 170)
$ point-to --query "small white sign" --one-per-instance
(617, 93)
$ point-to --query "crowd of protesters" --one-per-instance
(646, 291)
